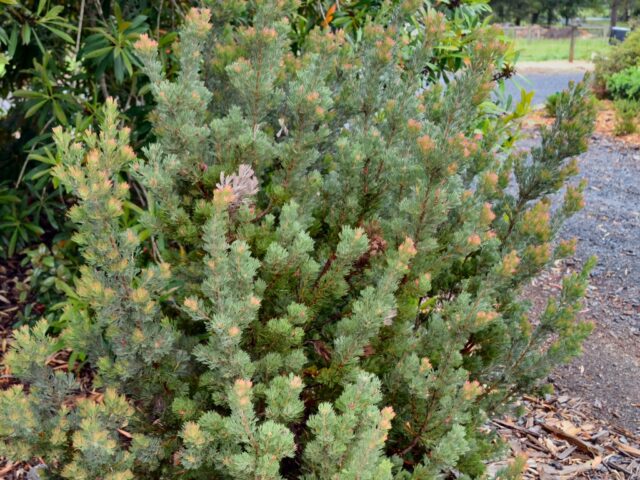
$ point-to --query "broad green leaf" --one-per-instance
(59, 33)
(13, 42)
(59, 113)
(4, 61)
(127, 63)
(12, 243)
(25, 34)
(9, 198)
(32, 227)
(101, 52)
(34, 108)
(53, 13)
(29, 94)
(70, 292)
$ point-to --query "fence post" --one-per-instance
(572, 45)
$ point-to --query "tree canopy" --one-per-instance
(544, 11)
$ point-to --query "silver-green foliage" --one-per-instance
(323, 280)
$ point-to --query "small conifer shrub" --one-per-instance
(324, 279)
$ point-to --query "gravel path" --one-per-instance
(544, 84)
(607, 375)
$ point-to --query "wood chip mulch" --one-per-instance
(562, 439)
(604, 124)
(606, 121)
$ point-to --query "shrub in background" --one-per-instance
(558, 99)
(61, 61)
(332, 259)
(626, 116)
(620, 57)
(625, 84)
(464, 19)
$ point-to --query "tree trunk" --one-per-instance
(549, 17)
(614, 12)
(535, 16)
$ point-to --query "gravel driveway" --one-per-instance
(607, 375)
(544, 84)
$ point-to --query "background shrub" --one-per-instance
(322, 276)
(556, 100)
(62, 60)
(620, 57)
(625, 84)
(626, 116)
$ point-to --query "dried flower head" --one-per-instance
(487, 216)
(243, 184)
(388, 319)
(296, 382)
(470, 390)
(426, 144)
(408, 248)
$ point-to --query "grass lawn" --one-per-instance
(548, 49)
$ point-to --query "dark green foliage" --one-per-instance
(625, 84)
(551, 104)
(16, 221)
(621, 57)
(62, 60)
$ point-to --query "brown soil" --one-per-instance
(607, 376)
(605, 123)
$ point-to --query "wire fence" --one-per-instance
(538, 43)
(537, 32)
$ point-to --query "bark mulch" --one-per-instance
(561, 438)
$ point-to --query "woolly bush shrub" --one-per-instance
(324, 278)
